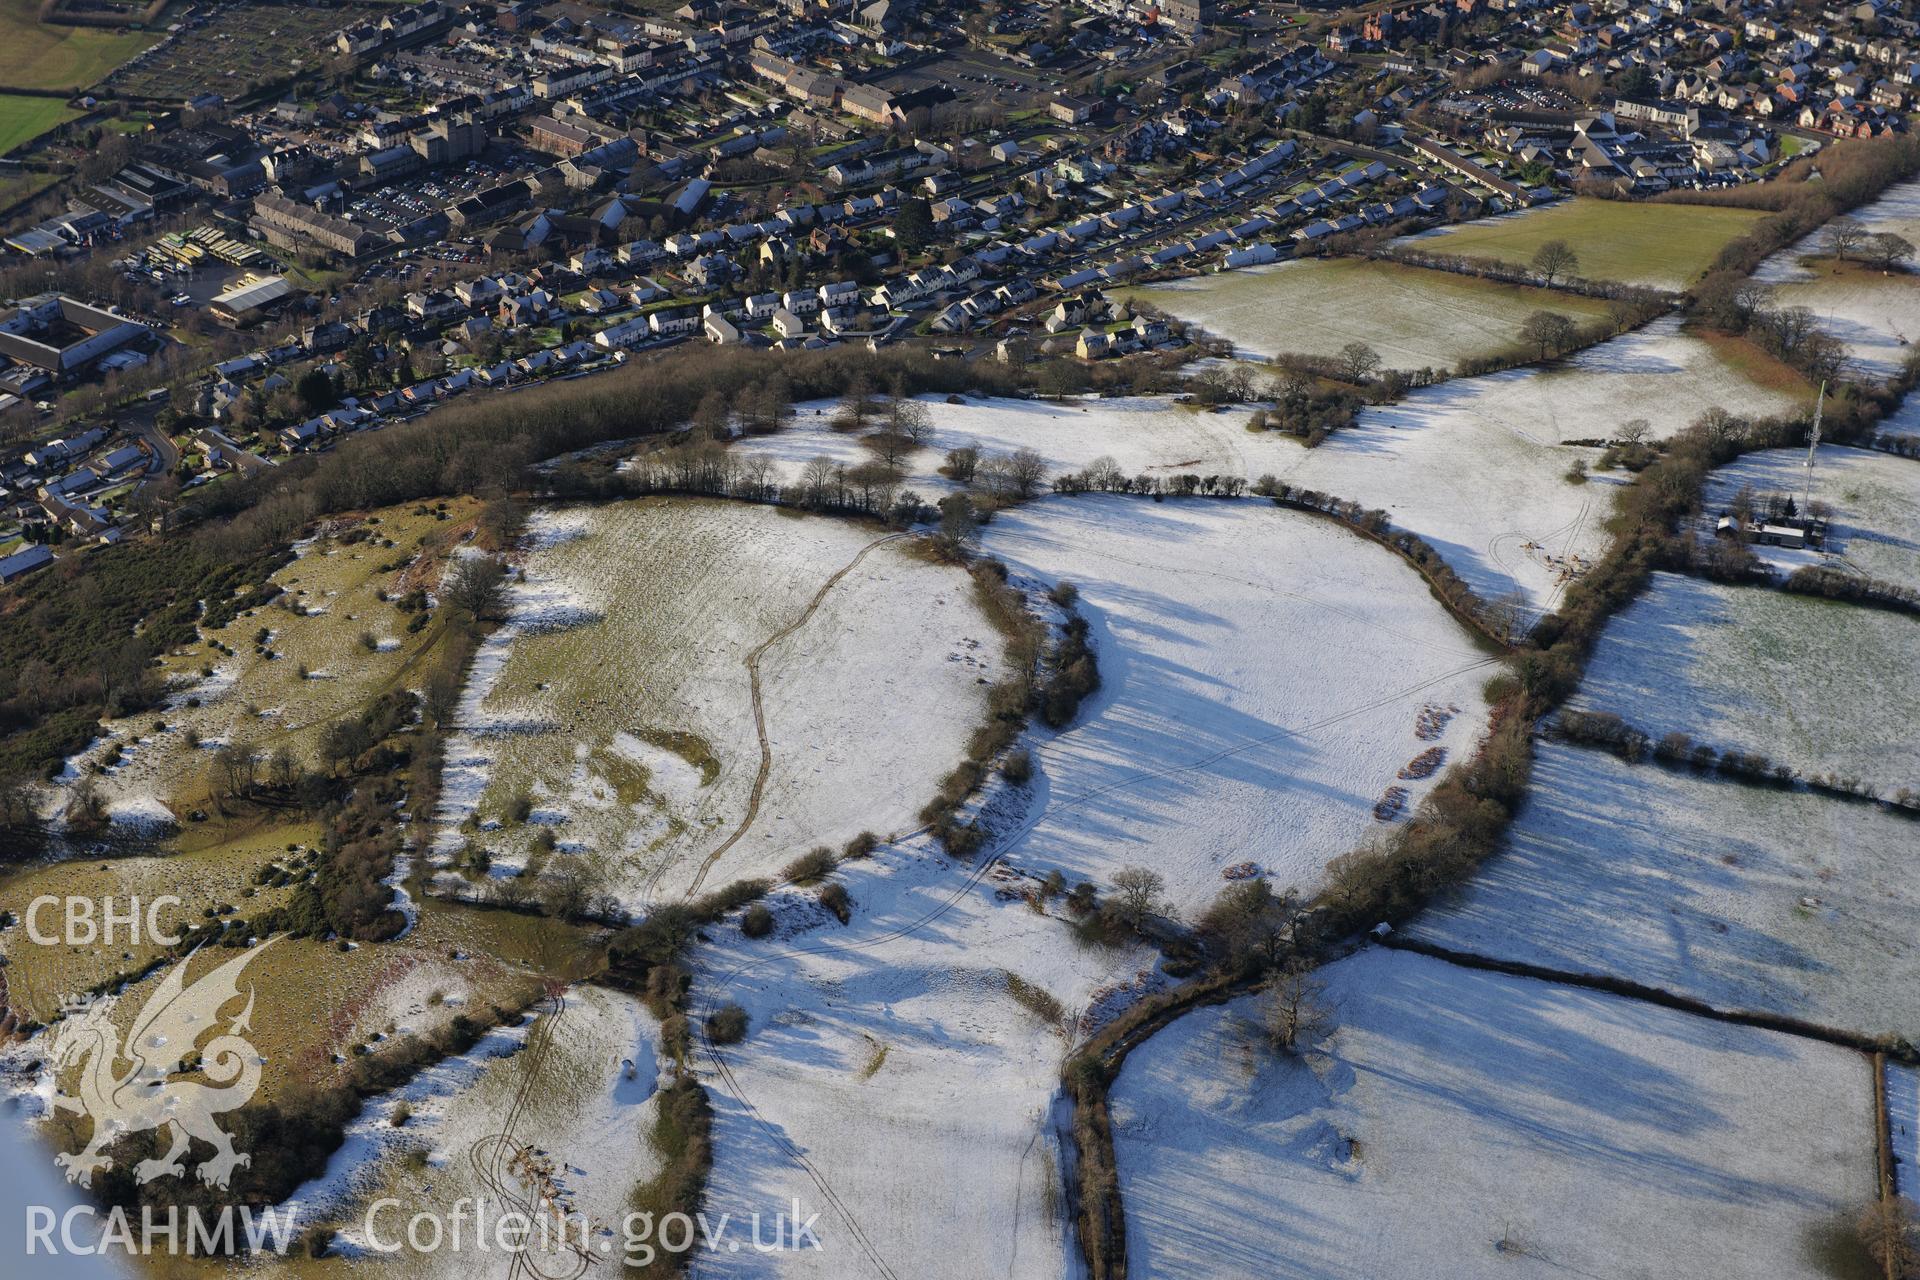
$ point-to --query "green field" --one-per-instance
(1414, 317)
(22, 118)
(1665, 245)
(37, 55)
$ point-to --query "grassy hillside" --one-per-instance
(23, 118)
(37, 55)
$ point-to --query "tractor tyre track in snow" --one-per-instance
(759, 708)
(493, 1155)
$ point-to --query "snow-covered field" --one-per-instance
(1495, 502)
(1472, 485)
(1656, 373)
(891, 1082)
(1877, 316)
(1465, 1124)
(1741, 896)
(1875, 527)
(1825, 688)
(893, 1073)
(1477, 466)
(1143, 435)
(1903, 1116)
(1261, 675)
(617, 701)
(575, 1089)
(1896, 211)
(1413, 317)
(1904, 420)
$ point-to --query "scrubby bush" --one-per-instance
(810, 867)
(757, 922)
(959, 839)
(676, 1037)
(727, 1024)
(1076, 674)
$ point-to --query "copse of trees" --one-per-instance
(1737, 305)
(489, 447)
(1548, 333)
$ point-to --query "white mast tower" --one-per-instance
(1813, 448)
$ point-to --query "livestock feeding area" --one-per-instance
(1266, 816)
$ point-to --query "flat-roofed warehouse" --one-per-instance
(63, 335)
(251, 299)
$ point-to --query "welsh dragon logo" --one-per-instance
(159, 1046)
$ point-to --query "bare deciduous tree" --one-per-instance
(909, 419)
(889, 446)
(1294, 1009)
(86, 807)
(962, 463)
(477, 584)
(1104, 474)
(236, 768)
(1887, 1230)
(1506, 616)
(344, 741)
(1026, 471)
(710, 419)
(573, 894)
(1358, 361)
(855, 406)
(819, 481)
(1889, 250)
(1136, 895)
(1292, 377)
(958, 525)
(1844, 237)
(1554, 260)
